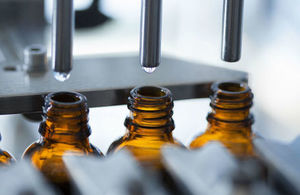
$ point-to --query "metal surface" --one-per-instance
(232, 30)
(19, 28)
(200, 171)
(23, 178)
(118, 174)
(150, 37)
(35, 59)
(62, 38)
(104, 86)
(284, 163)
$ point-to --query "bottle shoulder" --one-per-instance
(203, 138)
(222, 136)
(142, 142)
(6, 158)
(43, 147)
(96, 151)
(113, 146)
(238, 143)
(34, 147)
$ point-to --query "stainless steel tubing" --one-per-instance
(62, 38)
(232, 30)
(150, 34)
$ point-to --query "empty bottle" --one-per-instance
(5, 157)
(230, 120)
(64, 131)
(149, 125)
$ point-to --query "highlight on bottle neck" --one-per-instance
(231, 102)
(66, 112)
(151, 108)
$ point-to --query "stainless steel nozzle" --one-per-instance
(232, 30)
(150, 34)
(62, 38)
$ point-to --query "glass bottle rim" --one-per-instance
(65, 98)
(150, 92)
(230, 87)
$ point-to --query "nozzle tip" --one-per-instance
(61, 76)
(149, 70)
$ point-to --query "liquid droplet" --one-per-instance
(149, 70)
(61, 76)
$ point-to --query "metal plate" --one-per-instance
(107, 81)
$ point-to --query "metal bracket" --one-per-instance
(107, 81)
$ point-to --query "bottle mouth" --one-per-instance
(63, 108)
(150, 92)
(232, 87)
(231, 95)
(152, 107)
(66, 98)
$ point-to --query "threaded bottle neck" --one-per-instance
(65, 116)
(151, 110)
(231, 103)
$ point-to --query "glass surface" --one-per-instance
(230, 120)
(5, 158)
(149, 125)
(64, 131)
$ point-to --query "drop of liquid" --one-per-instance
(61, 76)
(149, 70)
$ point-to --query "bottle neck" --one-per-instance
(150, 112)
(240, 127)
(231, 103)
(65, 118)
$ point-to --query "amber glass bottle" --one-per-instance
(149, 125)
(230, 120)
(5, 157)
(64, 131)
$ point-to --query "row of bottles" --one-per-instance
(65, 128)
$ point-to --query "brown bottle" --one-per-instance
(149, 125)
(5, 157)
(64, 131)
(230, 120)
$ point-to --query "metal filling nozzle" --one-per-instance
(150, 37)
(62, 38)
(232, 30)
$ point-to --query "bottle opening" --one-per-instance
(152, 92)
(231, 101)
(151, 108)
(65, 97)
(232, 87)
